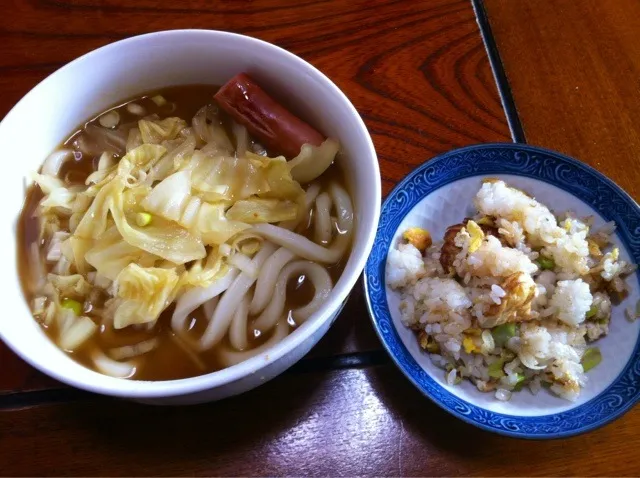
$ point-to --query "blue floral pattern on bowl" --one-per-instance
(561, 171)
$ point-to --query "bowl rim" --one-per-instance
(139, 389)
(374, 285)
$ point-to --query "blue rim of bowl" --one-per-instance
(561, 171)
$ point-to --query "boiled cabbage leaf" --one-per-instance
(255, 210)
(213, 226)
(77, 333)
(82, 202)
(57, 196)
(134, 139)
(154, 132)
(94, 222)
(209, 129)
(144, 292)
(204, 272)
(72, 286)
(132, 199)
(99, 178)
(170, 197)
(173, 160)
(47, 183)
(61, 199)
(247, 243)
(111, 254)
(172, 200)
(48, 225)
(168, 241)
(281, 184)
(143, 157)
(133, 167)
(75, 249)
(218, 177)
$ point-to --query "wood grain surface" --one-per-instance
(419, 75)
(573, 68)
(337, 423)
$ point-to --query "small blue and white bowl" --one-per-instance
(438, 194)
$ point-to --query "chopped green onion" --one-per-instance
(502, 333)
(546, 263)
(428, 343)
(495, 369)
(143, 219)
(457, 380)
(432, 347)
(520, 383)
(73, 305)
(591, 358)
(592, 311)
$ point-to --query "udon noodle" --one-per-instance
(165, 240)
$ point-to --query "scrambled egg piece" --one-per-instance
(428, 343)
(469, 345)
(515, 306)
(418, 238)
(477, 236)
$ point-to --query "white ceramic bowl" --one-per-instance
(90, 84)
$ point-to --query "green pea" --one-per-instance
(143, 219)
(73, 305)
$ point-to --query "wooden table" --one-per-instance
(418, 72)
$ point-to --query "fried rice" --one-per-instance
(511, 297)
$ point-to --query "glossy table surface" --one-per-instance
(419, 74)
